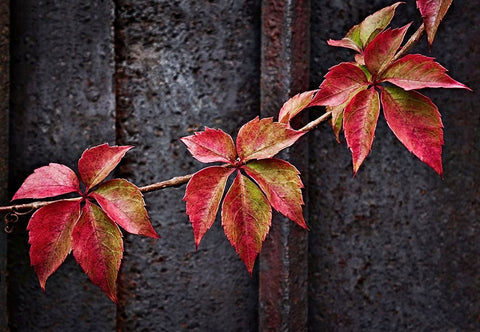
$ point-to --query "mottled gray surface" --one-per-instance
(396, 247)
(183, 65)
(62, 102)
(4, 106)
(283, 300)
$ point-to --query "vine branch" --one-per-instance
(173, 182)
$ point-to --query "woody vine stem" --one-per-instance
(180, 180)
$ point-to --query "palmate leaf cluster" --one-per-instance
(381, 77)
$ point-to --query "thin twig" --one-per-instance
(34, 205)
(173, 182)
(312, 124)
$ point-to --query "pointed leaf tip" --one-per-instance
(98, 162)
(280, 181)
(295, 105)
(359, 124)
(261, 139)
(123, 202)
(416, 71)
(48, 181)
(382, 49)
(416, 122)
(433, 12)
(98, 247)
(202, 196)
(211, 145)
(50, 232)
(246, 219)
(341, 83)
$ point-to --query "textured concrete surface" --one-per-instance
(62, 101)
(183, 65)
(284, 72)
(396, 247)
(393, 249)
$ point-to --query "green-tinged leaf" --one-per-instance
(341, 83)
(433, 12)
(48, 181)
(98, 248)
(50, 236)
(97, 162)
(246, 218)
(336, 121)
(261, 139)
(376, 23)
(202, 196)
(295, 105)
(359, 123)
(415, 71)
(380, 52)
(211, 145)
(416, 122)
(280, 181)
(123, 202)
(360, 35)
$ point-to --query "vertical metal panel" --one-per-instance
(396, 247)
(182, 65)
(4, 106)
(283, 261)
(62, 102)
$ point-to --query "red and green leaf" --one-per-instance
(359, 123)
(295, 105)
(360, 35)
(50, 236)
(341, 82)
(246, 218)
(433, 12)
(280, 181)
(48, 181)
(415, 71)
(123, 202)
(416, 122)
(381, 50)
(97, 162)
(202, 196)
(98, 248)
(211, 145)
(261, 139)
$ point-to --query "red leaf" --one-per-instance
(360, 35)
(48, 181)
(246, 218)
(97, 162)
(416, 122)
(359, 123)
(415, 71)
(98, 248)
(50, 236)
(123, 202)
(295, 105)
(211, 145)
(341, 82)
(433, 12)
(261, 139)
(382, 49)
(202, 196)
(281, 183)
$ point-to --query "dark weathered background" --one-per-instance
(396, 248)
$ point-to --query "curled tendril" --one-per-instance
(11, 219)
